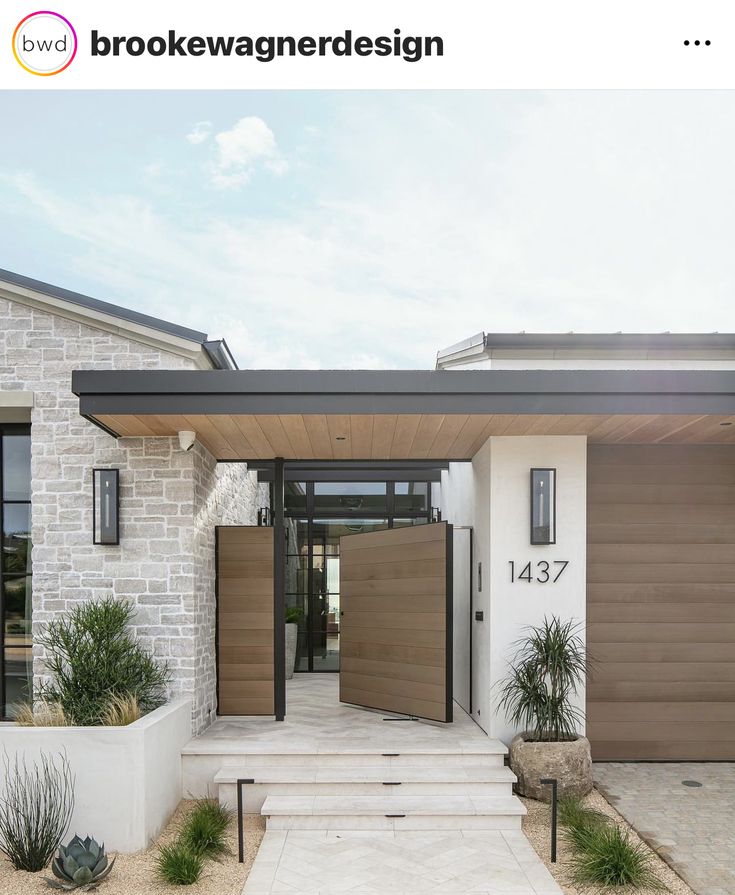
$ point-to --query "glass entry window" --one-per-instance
(318, 514)
(16, 654)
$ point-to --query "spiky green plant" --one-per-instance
(82, 864)
(35, 809)
(205, 827)
(611, 861)
(92, 657)
(294, 614)
(546, 673)
(179, 864)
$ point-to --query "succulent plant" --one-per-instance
(82, 864)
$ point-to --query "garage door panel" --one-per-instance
(602, 653)
(662, 750)
(661, 711)
(656, 731)
(647, 691)
(661, 612)
(659, 533)
(643, 573)
(661, 632)
(661, 602)
(671, 672)
(651, 592)
(695, 554)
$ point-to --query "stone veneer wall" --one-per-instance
(169, 503)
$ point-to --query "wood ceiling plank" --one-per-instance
(210, 436)
(384, 427)
(426, 432)
(405, 432)
(293, 424)
(273, 429)
(318, 431)
(361, 432)
(252, 432)
(340, 435)
(473, 427)
(451, 426)
(229, 430)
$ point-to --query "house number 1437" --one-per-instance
(544, 571)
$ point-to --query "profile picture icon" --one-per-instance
(44, 43)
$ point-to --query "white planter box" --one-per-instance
(128, 779)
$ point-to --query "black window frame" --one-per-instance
(310, 516)
(10, 429)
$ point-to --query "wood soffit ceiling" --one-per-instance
(408, 436)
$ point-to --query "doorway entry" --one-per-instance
(317, 515)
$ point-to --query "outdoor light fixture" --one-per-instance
(543, 506)
(106, 506)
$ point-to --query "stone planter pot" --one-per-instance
(569, 762)
(292, 632)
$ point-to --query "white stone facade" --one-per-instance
(170, 499)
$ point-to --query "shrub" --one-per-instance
(178, 864)
(92, 658)
(578, 821)
(121, 711)
(293, 614)
(46, 714)
(205, 827)
(610, 860)
(35, 810)
(546, 672)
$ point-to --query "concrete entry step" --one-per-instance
(480, 780)
(393, 812)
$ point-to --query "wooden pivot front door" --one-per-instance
(396, 620)
(245, 595)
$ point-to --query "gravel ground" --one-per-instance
(136, 874)
(537, 826)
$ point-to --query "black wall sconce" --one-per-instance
(264, 516)
(106, 506)
(543, 506)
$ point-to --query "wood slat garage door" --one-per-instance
(396, 620)
(661, 601)
(245, 591)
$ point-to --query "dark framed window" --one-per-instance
(16, 644)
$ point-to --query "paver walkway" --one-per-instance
(330, 862)
(693, 827)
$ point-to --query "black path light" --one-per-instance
(551, 781)
(106, 506)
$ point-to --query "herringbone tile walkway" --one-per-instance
(385, 863)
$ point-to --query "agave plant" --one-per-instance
(82, 864)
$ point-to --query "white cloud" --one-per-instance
(250, 143)
(435, 218)
(200, 132)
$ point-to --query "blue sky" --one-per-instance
(370, 229)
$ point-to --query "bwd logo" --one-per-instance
(44, 43)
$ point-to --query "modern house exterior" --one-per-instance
(416, 521)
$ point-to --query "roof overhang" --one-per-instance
(405, 414)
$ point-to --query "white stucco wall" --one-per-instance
(127, 779)
(170, 500)
(492, 495)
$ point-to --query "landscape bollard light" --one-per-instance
(240, 832)
(551, 781)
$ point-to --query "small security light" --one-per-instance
(106, 506)
(543, 506)
(187, 439)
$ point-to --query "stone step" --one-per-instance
(200, 764)
(392, 812)
(485, 780)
